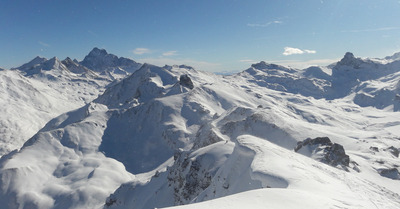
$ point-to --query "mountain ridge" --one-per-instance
(172, 135)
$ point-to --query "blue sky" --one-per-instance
(209, 35)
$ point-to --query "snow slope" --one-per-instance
(42, 89)
(167, 136)
(291, 181)
(28, 104)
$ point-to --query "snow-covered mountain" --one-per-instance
(42, 89)
(38, 93)
(99, 60)
(268, 136)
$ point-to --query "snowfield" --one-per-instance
(175, 137)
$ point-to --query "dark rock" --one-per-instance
(394, 151)
(391, 173)
(335, 155)
(350, 60)
(185, 80)
(111, 201)
(188, 177)
(330, 153)
(312, 142)
(375, 149)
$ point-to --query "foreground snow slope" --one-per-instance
(167, 136)
(291, 181)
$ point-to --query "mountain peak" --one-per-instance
(350, 60)
(99, 60)
(349, 55)
(68, 61)
(31, 64)
(37, 60)
(97, 52)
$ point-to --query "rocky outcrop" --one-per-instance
(393, 150)
(391, 173)
(322, 149)
(185, 81)
(188, 177)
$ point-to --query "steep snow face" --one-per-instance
(99, 60)
(76, 68)
(30, 65)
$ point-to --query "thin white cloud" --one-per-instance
(141, 51)
(290, 51)
(265, 24)
(44, 44)
(248, 61)
(309, 51)
(371, 30)
(198, 65)
(169, 53)
(301, 64)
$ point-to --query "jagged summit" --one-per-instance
(75, 67)
(28, 66)
(98, 52)
(99, 60)
(68, 59)
(350, 60)
(348, 55)
(53, 63)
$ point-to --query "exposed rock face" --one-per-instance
(350, 60)
(322, 149)
(391, 173)
(185, 80)
(100, 60)
(188, 177)
(394, 151)
(336, 155)
(75, 67)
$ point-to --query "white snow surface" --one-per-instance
(28, 103)
(42, 89)
(150, 141)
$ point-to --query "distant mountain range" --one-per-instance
(108, 132)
